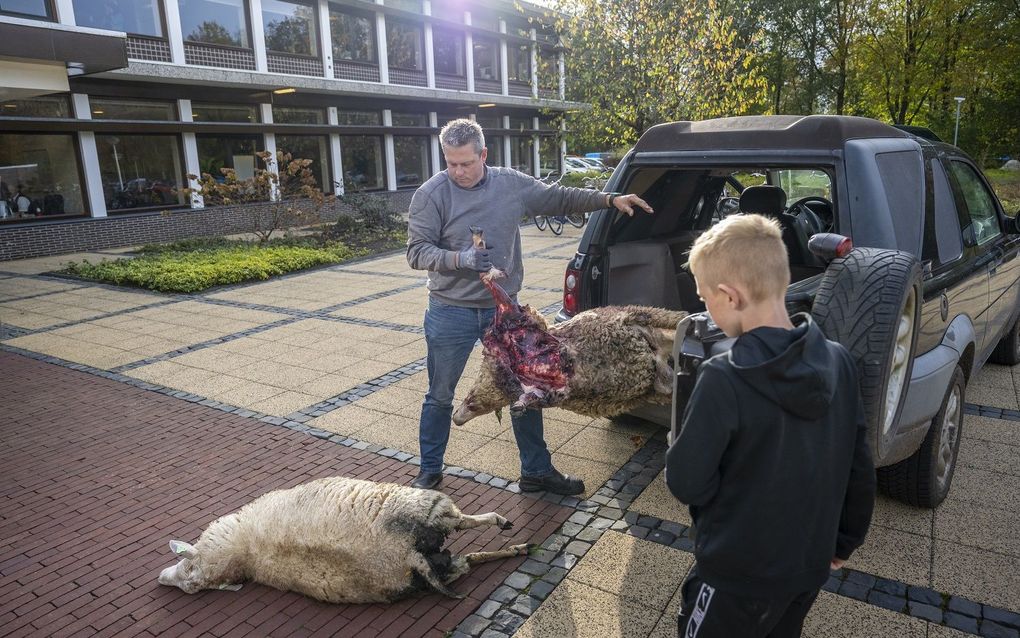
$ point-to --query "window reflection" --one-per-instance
(222, 22)
(140, 17)
(362, 161)
(140, 171)
(310, 147)
(353, 36)
(411, 159)
(486, 58)
(216, 152)
(290, 27)
(35, 8)
(404, 42)
(38, 176)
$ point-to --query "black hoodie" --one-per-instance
(774, 462)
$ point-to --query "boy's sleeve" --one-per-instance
(710, 419)
(860, 491)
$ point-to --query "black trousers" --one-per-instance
(706, 612)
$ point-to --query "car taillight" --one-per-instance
(829, 246)
(571, 291)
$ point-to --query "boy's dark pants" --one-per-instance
(706, 612)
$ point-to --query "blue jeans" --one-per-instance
(450, 335)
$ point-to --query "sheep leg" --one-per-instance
(483, 557)
(420, 565)
(467, 521)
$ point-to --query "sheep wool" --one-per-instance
(337, 539)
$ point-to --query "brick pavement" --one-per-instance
(98, 476)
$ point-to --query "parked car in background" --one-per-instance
(592, 163)
(920, 280)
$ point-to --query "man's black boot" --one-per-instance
(427, 480)
(554, 482)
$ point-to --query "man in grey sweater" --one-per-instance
(469, 193)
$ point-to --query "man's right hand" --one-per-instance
(474, 259)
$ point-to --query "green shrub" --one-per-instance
(190, 271)
(587, 179)
(1007, 187)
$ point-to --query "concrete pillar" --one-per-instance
(506, 141)
(335, 155)
(563, 143)
(434, 141)
(174, 34)
(191, 165)
(380, 38)
(469, 54)
(95, 200)
(325, 39)
(536, 154)
(561, 68)
(534, 64)
(273, 165)
(430, 55)
(389, 152)
(65, 12)
(258, 35)
(503, 65)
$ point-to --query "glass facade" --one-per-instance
(363, 162)
(140, 171)
(311, 147)
(489, 121)
(404, 45)
(520, 154)
(519, 62)
(410, 119)
(39, 176)
(224, 112)
(121, 109)
(222, 22)
(32, 8)
(297, 115)
(48, 106)
(449, 51)
(486, 58)
(411, 159)
(290, 27)
(494, 144)
(353, 36)
(548, 156)
(216, 152)
(141, 17)
(359, 118)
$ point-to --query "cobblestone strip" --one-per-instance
(987, 410)
(205, 344)
(375, 323)
(358, 392)
(7, 331)
(378, 295)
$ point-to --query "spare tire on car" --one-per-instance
(870, 302)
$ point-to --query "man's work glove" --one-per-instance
(474, 259)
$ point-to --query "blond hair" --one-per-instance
(743, 250)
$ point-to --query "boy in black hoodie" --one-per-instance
(772, 457)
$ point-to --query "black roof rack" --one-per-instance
(763, 132)
(920, 131)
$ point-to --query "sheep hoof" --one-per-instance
(505, 524)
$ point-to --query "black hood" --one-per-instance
(792, 368)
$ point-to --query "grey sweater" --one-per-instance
(442, 213)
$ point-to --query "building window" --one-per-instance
(296, 115)
(33, 8)
(38, 176)
(489, 121)
(222, 22)
(224, 112)
(521, 123)
(520, 154)
(548, 70)
(519, 62)
(140, 171)
(362, 161)
(359, 118)
(290, 27)
(411, 159)
(404, 45)
(123, 109)
(353, 36)
(410, 119)
(310, 147)
(406, 5)
(449, 50)
(548, 156)
(494, 144)
(48, 106)
(141, 17)
(486, 58)
(216, 152)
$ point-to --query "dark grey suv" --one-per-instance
(927, 294)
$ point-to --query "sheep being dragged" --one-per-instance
(339, 540)
(602, 362)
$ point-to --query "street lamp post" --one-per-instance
(956, 132)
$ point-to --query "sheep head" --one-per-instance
(485, 395)
(194, 572)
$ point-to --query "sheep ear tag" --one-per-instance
(231, 587)
(183, 549)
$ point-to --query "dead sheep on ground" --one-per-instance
(338, 540)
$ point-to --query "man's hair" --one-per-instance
(746, 250)
(462, 131)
